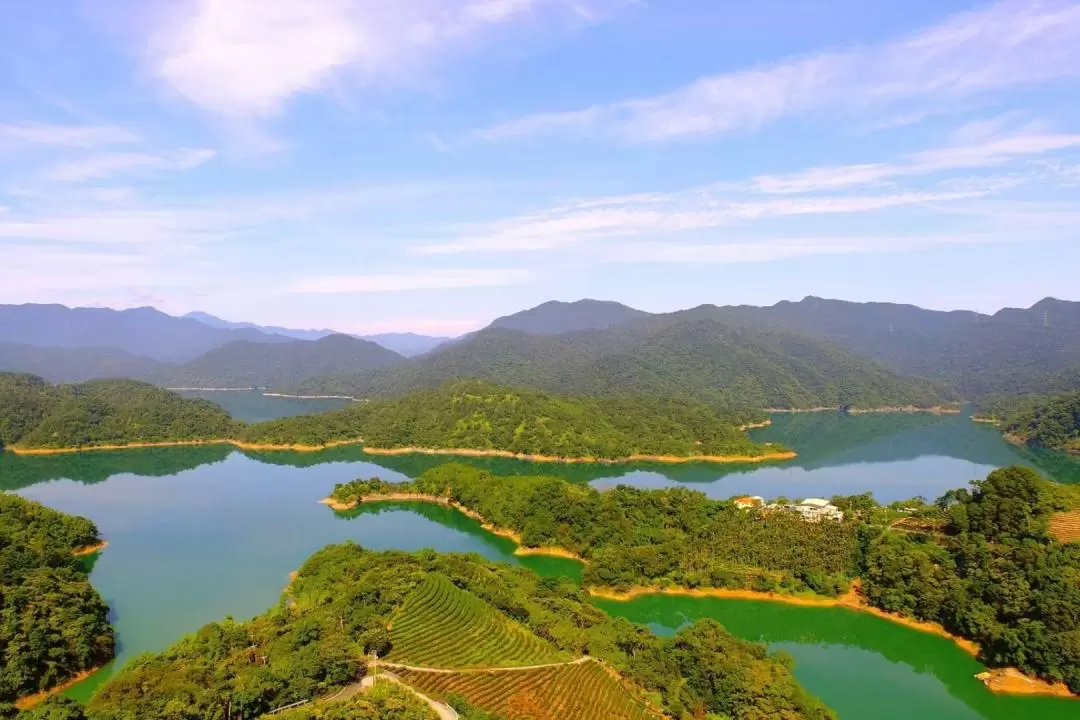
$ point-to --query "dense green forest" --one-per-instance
(994, 575)
(1049, 421)
(687, 357)
(343, 600)
(52, 622)
(34, 414)
(647, 537)
(482, 416)
(467, 414)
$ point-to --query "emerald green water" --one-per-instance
(196, 534)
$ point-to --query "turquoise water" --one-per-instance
(196, 534)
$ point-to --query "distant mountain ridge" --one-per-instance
(1011, 351)
(683, 355)
(249, 364)
(403, 343)
(791, 354)
(140, 331)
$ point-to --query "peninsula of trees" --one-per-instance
(467, 416)
(480, 416)
(34, 414)
(983, 565)
(460, 615)
(1048, 421)
(53, 624)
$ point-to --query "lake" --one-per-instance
(196, 534)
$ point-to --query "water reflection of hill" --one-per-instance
(822, 440)
(786, 625)
(829, 439)
(20, 471)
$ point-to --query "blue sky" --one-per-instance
(429, 164)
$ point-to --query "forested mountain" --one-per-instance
(1013, 351)
(102, 412)
(476, 415)
(688, 356)
(558, 318)
(60, 364)
(250, 364)
(53, 624)
(140, 331)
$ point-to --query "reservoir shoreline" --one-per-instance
(460, 452)
(1009, 681)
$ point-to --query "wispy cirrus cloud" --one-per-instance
(96, 167)
(991, 153)
(69, 136)
(246, 59)
(1010, 44)
(698, 208)
(413, 280)
(772, 249)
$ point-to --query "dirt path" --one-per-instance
(444, 711)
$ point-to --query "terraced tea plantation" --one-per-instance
(443, 626)
(581, 691)
(1066, 526)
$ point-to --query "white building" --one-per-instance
(817, 509)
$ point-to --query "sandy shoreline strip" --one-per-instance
(182, 443)
(29, 701)
(467, 452)
(90, 549)
(459, 452)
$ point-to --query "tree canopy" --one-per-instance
(53, 624)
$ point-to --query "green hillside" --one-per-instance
(482, 416)
(78, 364)
(339, 607)
(252, 364)
(34, 414)
(686, 357)
(1012, 351)
(52, 622)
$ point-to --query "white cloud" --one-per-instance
(991, 153)
(397, 282)
(106, 165)
(772, 249)
(1012, 43)
(694, 209)
(245, 59)
(72, 136)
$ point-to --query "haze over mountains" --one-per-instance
(404, 343)
(814, 352)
